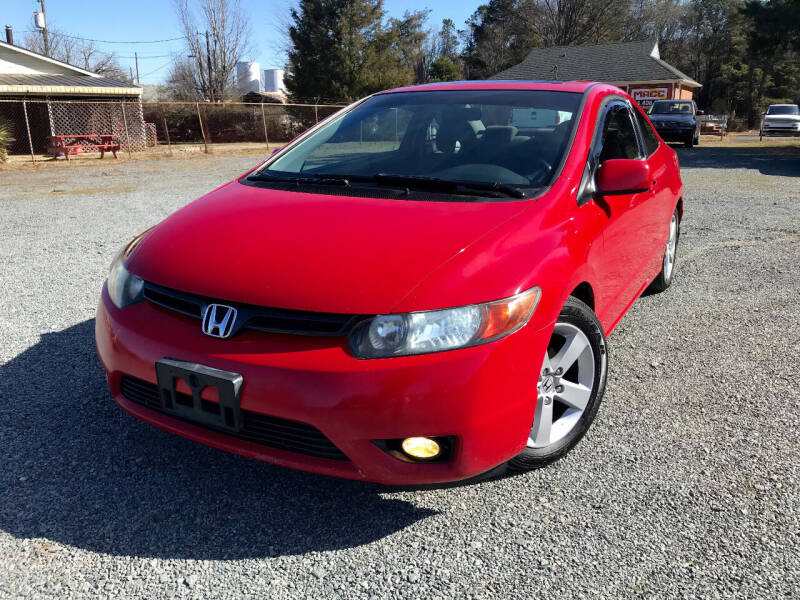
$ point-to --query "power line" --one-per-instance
(76, 37)
(156, 70)
(142, 57)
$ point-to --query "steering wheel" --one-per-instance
(542, 170)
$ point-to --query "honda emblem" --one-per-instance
(218, 320)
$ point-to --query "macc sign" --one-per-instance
(646, 96)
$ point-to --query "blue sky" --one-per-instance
(155, 20)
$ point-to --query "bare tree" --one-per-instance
(436, 45)
(76, 52)
(572, 22)
(665, 21)
(217, 36)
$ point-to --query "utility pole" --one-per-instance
(136, 57)
(208, 62)
(45, 39)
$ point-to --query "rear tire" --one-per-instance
(665, 276)
(571, 386)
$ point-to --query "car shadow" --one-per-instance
(79, 471)
(768, 160)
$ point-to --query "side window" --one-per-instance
(619, 135)
(648, 135)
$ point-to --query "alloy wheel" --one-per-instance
(565, 385)
(672, 243)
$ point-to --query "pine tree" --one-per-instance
(343, 50)
(444, 69)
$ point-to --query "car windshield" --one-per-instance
(501, 140)
(791, 109)
(669, 108)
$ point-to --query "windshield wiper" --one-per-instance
(395, 180)
(298, 180)
(449, 185)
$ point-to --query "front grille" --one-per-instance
(275, 320)
(274, 432)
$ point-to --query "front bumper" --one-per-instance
(674, 134)
(780, 130)
(484, 396)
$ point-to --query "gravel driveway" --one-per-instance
(688, 485)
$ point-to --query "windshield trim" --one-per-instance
(531, 192)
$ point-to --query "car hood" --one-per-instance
(680, 117)
(794, 118)
(310, 251)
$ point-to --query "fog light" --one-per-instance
(421, 447)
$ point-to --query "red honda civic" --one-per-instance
(416, 290)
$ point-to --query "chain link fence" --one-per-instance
(52, 129)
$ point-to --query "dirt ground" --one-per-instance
(173, 152)
(686, 486)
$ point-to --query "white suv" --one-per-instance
(781, 119)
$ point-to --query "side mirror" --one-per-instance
(274, 152)
(701, 112)
(618, 176)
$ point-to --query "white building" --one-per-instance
(54, 98)
(26, 74)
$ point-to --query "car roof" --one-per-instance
(500, 84)
(771, 105)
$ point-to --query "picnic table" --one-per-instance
(714, 124)
(82, 143)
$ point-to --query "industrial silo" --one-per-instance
(273, 80)
(248, 77)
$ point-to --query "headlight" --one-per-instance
(125, 288)
(385, 336)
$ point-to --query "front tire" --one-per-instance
(689, 141)
(571, 385)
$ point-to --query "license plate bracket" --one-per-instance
(226, 414)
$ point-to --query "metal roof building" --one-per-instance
(24, 73)
(41, 97)
(636, 67)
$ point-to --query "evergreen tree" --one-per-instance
(408, 43)
(499, 34)
(342, 50)
(447, 40)
(444, 69)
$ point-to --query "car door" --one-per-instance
(630, 231)
(662, 163)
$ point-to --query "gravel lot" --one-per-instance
(688, 485)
